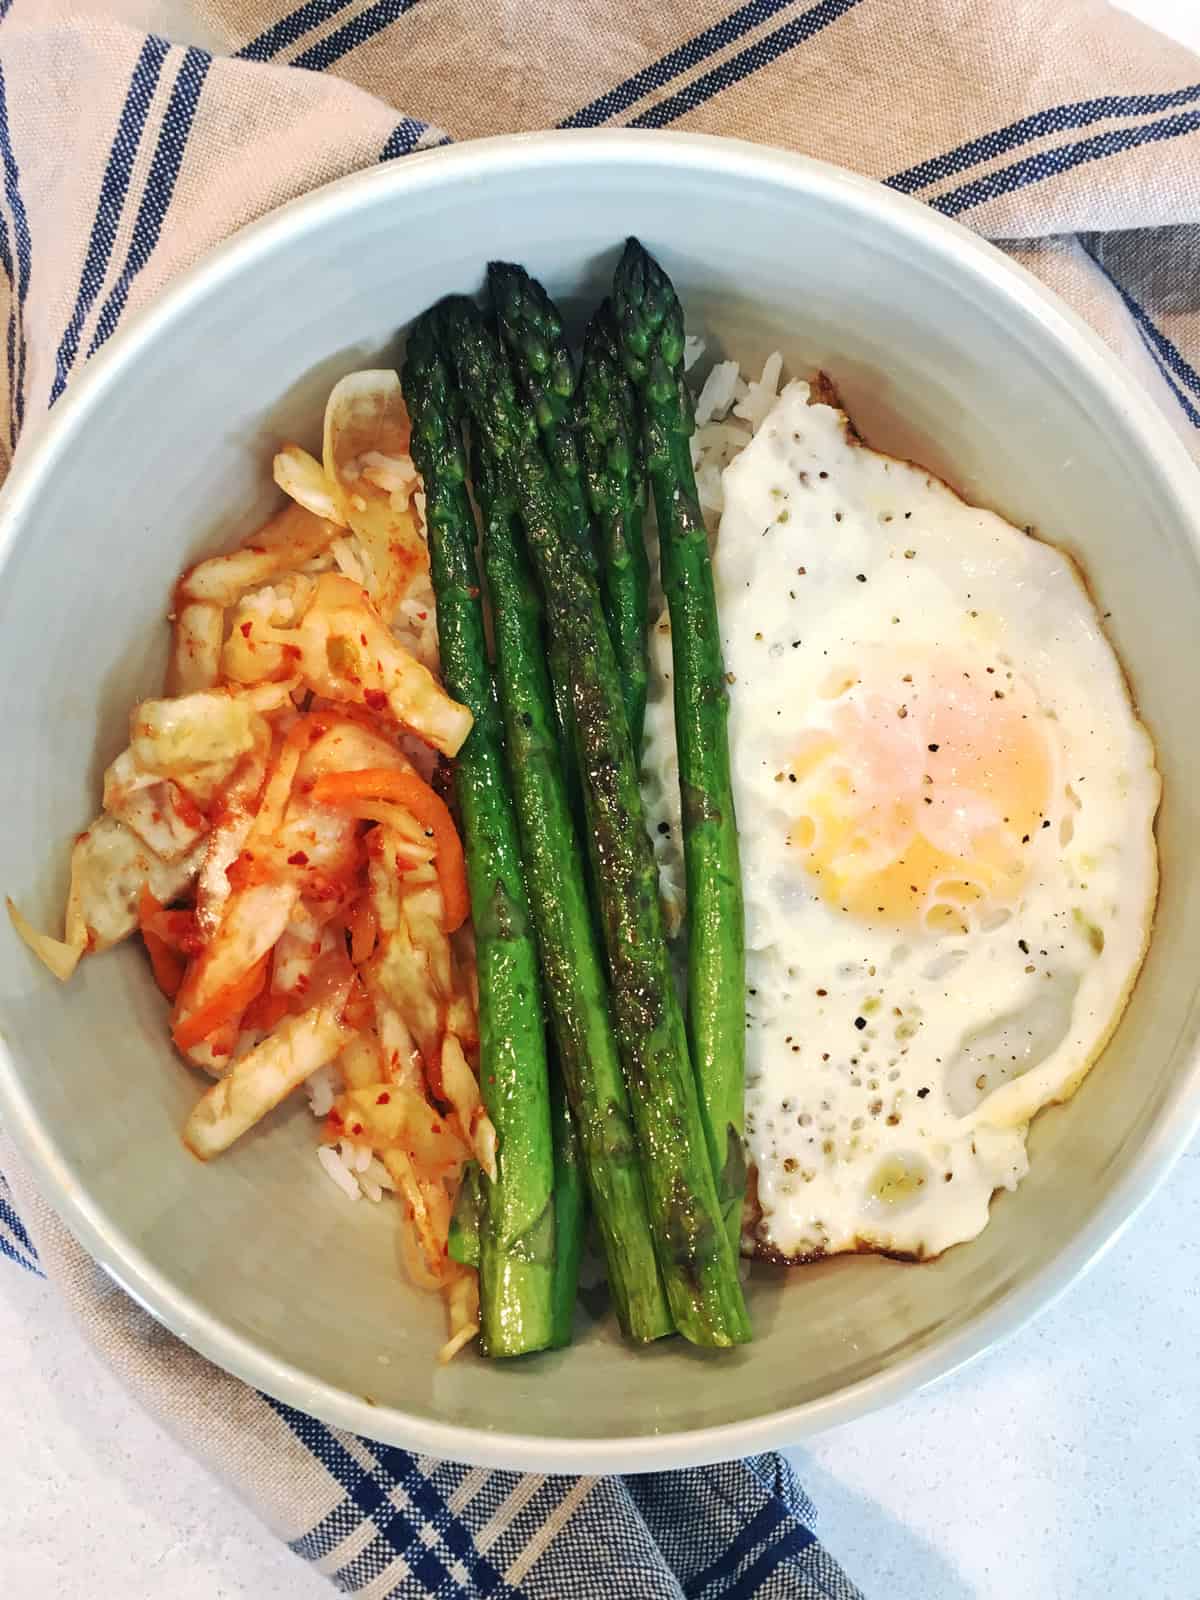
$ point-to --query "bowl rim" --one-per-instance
(241, 1355)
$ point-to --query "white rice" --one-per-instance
(323, 1088)
(728, 409)
(345, 553)
(761, 396)
(396, 475)
(336, 1169)
(719, 391)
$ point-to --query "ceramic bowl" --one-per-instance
(944, 351)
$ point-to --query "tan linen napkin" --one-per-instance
(136, 134)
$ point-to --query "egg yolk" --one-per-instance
(919, 795)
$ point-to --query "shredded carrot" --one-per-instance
(225, 1006)
(176, 929)
(147, 906)
(166, 964)
(429, 809)
(265, 1010)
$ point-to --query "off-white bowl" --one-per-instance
(943, 350)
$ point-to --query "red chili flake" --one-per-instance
(302, 983)
(383, 1099)
(421, 615)
(336, 1116)
(357, 1128)
(437, 1127)
(293, 650)
(375, 698)
(298, 859)
(246, 627)
(362, 638)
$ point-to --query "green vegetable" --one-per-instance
(517, 1243)
(698, 1264)
(610, 438)
(650, 326)
(531, 331)
(575, 989)
(570, 1211)
(466, 1220)
(531, 328)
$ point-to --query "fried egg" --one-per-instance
(945, 803)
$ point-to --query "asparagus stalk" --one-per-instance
(695, 1256)
(532, 332)
(610, 440)
(517, 1242)
(531, 329)
(570, 1211)
(575, 989)
(467, 1218)
(650, 325)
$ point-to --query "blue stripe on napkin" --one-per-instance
(290, 28)
(1165, 349)
(160, 186)
(24, 264)
(357, 31)
(1049, 163)
(10, 363)
(113, 188)
(687, 55)
(1185, 405)
(15, 1243)
(743, 65)
(1057, 119)
(1173, 366)
(405, 137)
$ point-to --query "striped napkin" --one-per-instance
(135, 134)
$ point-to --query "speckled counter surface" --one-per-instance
(1061, 1467)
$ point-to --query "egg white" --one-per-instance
(896, 1054)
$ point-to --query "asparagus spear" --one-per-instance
(695, 1256)
(570, 1211)
(531, 328)
(610, 440)
(517, 1243)
(576, 994)
(466, 1220)
(650, 325)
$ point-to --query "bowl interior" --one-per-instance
(943, 353)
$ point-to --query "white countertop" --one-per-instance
(1061, 1467)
